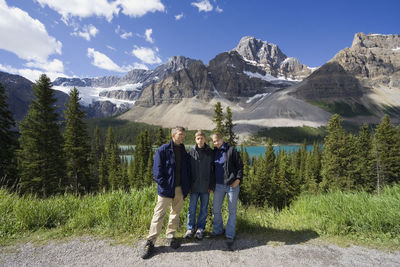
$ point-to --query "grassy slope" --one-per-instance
(358, 218)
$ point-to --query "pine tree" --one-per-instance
(40, 158)
(228, 128)
(388, 151)
(113, 160)
(245, 187)
(97, 149)
(103, 174)
(218, 119)
(7, 143)
(148, 178)
(364, 165)
(76, 147)
(313, 170)
(283, 187)
(160, 138)
(263, 178)
(143, 159)
(336, 157)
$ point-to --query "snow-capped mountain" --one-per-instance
(269, 57)
(120, 90)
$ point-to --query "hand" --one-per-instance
(235, 183)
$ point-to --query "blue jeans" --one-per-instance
(201, 220)
(219, 195)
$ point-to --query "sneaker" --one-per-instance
(189, 234)
(173, 243)
(148, 250)
(229, 243)
(199, 234)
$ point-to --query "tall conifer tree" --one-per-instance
(40, 157)
(228, 128)
(76, 145)
(388, 151)
(7, 143)
(335, 157)
(218, 119)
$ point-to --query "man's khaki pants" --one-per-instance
(161, 209)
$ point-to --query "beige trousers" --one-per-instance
(161, 209)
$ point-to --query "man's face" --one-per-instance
(178, 137)
(200, 140)
(217, 142)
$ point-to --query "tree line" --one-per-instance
(345, 161)
(53, 156)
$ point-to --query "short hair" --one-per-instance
(177, 128)
(217, 135)
(200, 133)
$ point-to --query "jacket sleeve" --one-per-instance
(212, 182)
(159, 168)
(238, 165)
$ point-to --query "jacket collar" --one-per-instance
(171, 145)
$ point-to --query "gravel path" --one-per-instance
(87, 251)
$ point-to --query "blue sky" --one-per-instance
(90, 38)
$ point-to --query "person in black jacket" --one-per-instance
(202, 183)
(171, 172)
(228, 175)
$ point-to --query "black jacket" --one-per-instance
(202, 169)
(233, 165)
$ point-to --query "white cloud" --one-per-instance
(148, 35)
(82, 8)
(102, 61)
(179, 16)
(31, 74)
(219, 10)
(146, 55)
(203, 5)
(110, 47)
(51, 66)
(102, 8)
(126, 35)
(24, 36)
(139, 8)
(118, 29)
(87, 32)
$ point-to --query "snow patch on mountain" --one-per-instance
(89, 94)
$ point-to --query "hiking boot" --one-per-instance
(148, 250)
(189, 234)
(229, 243)
(173, 243)
(199, 234)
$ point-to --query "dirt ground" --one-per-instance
(87, 251)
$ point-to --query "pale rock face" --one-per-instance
(271, 58)
(373, 58)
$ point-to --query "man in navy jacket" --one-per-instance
(171, 170)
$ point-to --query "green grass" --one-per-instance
(343, 109)
(359, 218)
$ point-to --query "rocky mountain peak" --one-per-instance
(259, 51)
(386, 41)
(269, 57)
(373, 58)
